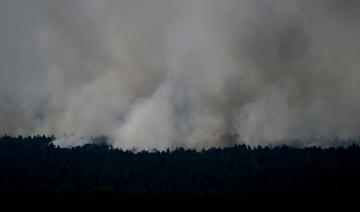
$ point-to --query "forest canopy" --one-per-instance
(33, 168)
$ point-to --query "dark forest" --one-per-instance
(34, 169)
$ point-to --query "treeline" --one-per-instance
(33, 169)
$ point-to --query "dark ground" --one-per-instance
(32, 170)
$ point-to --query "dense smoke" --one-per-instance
(191, 73)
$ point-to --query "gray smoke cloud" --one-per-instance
(192, 73)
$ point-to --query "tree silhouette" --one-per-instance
(34, 169)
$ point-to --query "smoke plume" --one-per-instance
(192, 73)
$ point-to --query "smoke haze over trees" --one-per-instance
(168, 73)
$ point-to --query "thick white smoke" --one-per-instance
(193, 73)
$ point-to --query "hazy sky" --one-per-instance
(192, 73)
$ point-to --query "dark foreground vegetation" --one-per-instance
(33, 169)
